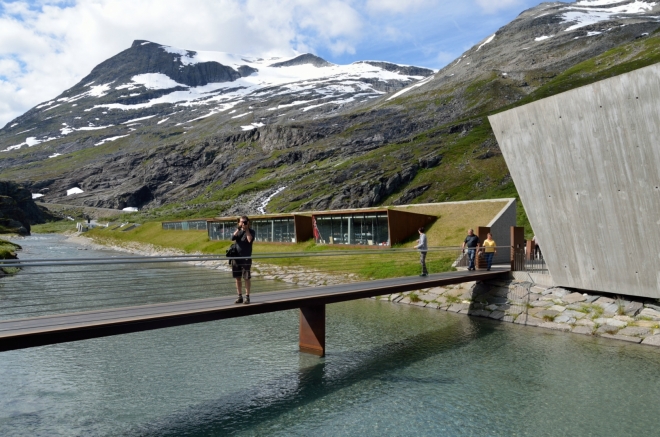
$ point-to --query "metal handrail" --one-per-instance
(193, 258)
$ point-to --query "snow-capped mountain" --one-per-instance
(164, 87)
(156, 125)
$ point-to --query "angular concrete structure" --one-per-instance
(586, 164)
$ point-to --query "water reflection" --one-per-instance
(262, 407)
(390, 370)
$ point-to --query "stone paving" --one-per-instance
(554, 308)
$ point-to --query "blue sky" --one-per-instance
(46, 46)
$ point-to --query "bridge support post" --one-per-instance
(312, 330)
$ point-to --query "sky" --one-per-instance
(47, 46)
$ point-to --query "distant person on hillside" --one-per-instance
(472, 244)
(422, 247)
(489, 250)
(240, 268)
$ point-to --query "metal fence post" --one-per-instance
(517, 243)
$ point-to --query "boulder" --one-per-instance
(649, 313)
(652, 341)
(574, 298)
(635, 331)
(586, 330)
(622, 337)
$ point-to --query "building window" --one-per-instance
(266, 230)
(186, 225)
(356, 229)
(221, 230)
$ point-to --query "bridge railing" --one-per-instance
(50, 286)
(523, 261)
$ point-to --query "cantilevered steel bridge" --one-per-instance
(55, 301)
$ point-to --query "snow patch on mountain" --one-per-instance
(252, 126)
(151, 81)
(288, 105)
(326, 80)
(139, 119)
(585, 13)
(107, 140)
(74, 190)
(32, 141)
(405, 90)
(241, 115)
(489, 40)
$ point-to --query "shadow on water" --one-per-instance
(248, 409)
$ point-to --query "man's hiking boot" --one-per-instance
(247, 299)
(423, 274)
(240, 299)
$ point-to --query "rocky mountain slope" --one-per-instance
(18, 211)
(180, 133)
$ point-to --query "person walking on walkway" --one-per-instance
(422, 247)
(240, 268)
(489, 250)
(472, 244)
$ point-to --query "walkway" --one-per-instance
(41, 331)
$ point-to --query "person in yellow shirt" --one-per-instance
(489, 248)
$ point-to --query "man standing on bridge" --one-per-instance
(472, 243)
(422, 247)
(240, 268)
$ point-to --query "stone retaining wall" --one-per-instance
(530, 304)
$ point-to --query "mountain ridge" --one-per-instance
(420, 140)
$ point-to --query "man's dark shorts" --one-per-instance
(240, 268)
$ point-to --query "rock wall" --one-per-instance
(17, 209)
(527, 303)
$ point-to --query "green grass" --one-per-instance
(597, 311)
(375, 264)
(452, 299)
(6, 230)
(8, 251)
(377, 268)
(57, 227)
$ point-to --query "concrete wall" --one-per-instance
(586, 164)
(500, 228)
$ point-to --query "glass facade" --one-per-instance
(221, 230)
(185, 225)
(276, 230)
(368, 229)
(281, 230)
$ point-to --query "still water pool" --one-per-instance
(389, 370)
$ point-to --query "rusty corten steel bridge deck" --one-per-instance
(62, 328)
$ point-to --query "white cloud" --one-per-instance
(46, 46)
(43, 52)
(494, 6)
(398, 6)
